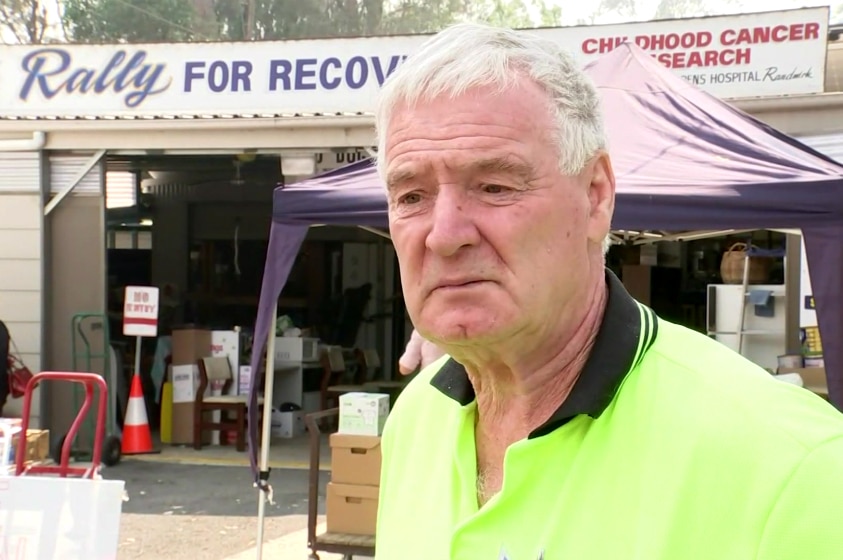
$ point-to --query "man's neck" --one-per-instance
(523, 397)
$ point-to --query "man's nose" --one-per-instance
(453, 225)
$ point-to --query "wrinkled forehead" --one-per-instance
(396, 102)
(480, 117)
(507, 164)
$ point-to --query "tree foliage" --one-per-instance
(665, 9)
(93, 21)
(129, 21)
(23, 21)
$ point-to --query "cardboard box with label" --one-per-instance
(184, 404)
(355, 459)
(288, 424)
(363, 414)
(351, 509)
(185, 380)
(189, 344)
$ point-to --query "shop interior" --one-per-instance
(197, 227)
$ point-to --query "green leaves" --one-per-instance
(95, 21)
(130, 21)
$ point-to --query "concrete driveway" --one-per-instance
(189, 512)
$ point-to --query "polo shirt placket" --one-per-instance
(627, 331)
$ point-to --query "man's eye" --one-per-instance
(412, 198)
(494, 189)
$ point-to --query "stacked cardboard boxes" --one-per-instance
(352, 495)
(189, 345)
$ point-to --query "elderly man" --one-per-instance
(570, 421)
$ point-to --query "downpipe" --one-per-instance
(24, 145)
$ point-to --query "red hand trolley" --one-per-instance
(62, 511)
(63, 468)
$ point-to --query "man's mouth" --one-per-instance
(459, 283)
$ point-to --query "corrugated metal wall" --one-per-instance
(21, 249)
(221, 191)
(63, 170)
(120, 189)
(21, 172)
(830, 145)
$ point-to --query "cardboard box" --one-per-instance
(296, 349)
(189, 345)
(351, 509)
(182, 428)
(363, 414)
(37, 445)
(287, 424)
(185, 380)
(182, 418)
(355, 459)
(813, 379)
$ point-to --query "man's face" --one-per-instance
(492, 239)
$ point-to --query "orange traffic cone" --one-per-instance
(137, 438)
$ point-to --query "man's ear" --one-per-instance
(601, 195)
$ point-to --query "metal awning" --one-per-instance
(631, 237)
(181, 117)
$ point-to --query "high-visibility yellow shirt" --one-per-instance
(669, 447)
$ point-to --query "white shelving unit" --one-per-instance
(731, 320)
(289, 384)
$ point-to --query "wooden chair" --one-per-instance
(376, 384)
(333, 372)
(219, 370)
(370, 365)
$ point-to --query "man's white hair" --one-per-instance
(469, 55)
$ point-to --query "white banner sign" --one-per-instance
(772, 53)
(328, 160)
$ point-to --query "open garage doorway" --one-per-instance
(196, 226)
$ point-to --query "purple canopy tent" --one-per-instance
(683, 160)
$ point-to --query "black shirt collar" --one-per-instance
(626, 333)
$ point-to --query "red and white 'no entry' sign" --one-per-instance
(140, 311)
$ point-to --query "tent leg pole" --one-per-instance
(743, 303)
(269, 386)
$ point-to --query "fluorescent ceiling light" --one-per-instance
(298, 165)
